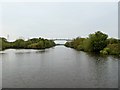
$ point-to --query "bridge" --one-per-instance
(61, 39)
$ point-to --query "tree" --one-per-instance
(19, 43)
(97, 41)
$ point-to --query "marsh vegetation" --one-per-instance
(97, 43)
(34, 43)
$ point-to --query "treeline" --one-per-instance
(97, 42)
(35, 43)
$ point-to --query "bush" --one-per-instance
(94, 43)
(103, 52)
(35, 43)
(114, 49)
(97, 41)
(80, 47)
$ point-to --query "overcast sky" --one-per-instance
(58, 19)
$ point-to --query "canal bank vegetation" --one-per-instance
(97, 42)
(34, 43)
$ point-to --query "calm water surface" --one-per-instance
(57, 67)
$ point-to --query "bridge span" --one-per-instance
(59, 39)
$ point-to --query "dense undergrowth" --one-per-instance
(97, 42)
(35, 43)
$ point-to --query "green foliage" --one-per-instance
(112, 41)
(105, 51)
(4, 43)
(114, 48)
(76, 43)
(80, 47)
(19, 43)
(68, 44)
(96, 42)
(86, 45)
(35, 43)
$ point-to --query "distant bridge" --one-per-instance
(61, 39)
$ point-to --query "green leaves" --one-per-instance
(96, 42)
(35, 43)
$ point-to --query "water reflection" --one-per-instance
(58, 67)
(42, 51)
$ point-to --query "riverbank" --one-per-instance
(34, 43)
(96, 43)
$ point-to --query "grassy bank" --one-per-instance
(35, 43)
(97, 42)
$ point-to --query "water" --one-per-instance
(58, 67)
